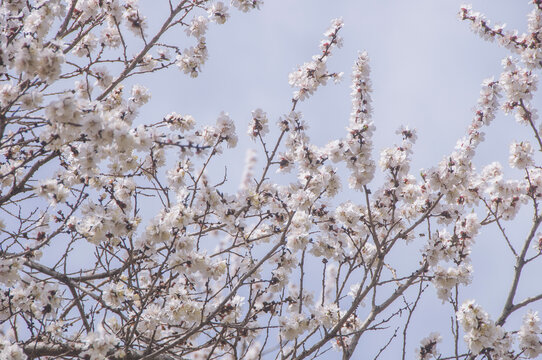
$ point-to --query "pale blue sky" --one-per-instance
(427, 67)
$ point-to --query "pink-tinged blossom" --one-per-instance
(393, 158)
(176, 175)
(148, 63)
(49, 64)
(65, 111)
(527, 45)
(307, 78)
(31, 100)
(481, 26)
(537, 243)
(328, 315)
(504, 197)
(298, 237)
(88, 9)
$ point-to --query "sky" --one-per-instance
(426, 66)
(426, 69)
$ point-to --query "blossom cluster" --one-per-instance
(175, 261)
(309, 76)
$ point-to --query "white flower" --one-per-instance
(32, 100)
(407, 133)
(137, 23)
(191, 59)
(392, 158)
(49, 63)
(8, 93)
(226, 128)
(293, 325)
(140, 95)
(9, 270)
(308, 77)
(10, 351)
(247, 178)
(521, 155)
(218, 12)
(103, 78)
(65, 110)
(86, 45)
(197, 27)
(529, 335)
(99, 344)
(328, 315)
(480, 331)
(110, 36)
(259, 124)
(445, 279)
(428, 348)
(180, 122)
(52, 189)
(176, 176)
(246, 5)
(115, 294)
(147, 62)
(151, 319)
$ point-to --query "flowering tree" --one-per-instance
(267, 271)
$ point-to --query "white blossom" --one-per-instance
(529, 335)
(521, 155)
(218, 12)
(99, 344)
(247, 5)
(428, 347)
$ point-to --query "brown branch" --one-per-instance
(143, 52)
(19, 188)
(509, 306)
(227, 298)
(40, 349)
